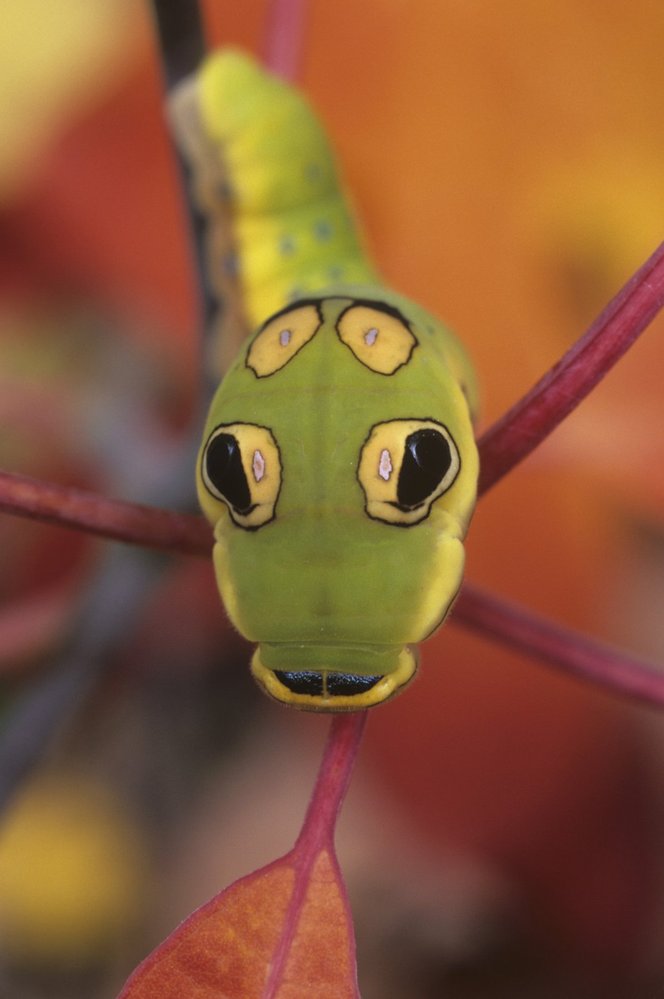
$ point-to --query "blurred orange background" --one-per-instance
(506, 162)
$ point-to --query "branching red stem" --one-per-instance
(334, 775)
(561, 390)
(501, 447)
(317, 836)
(186, 533)
(134, 523)
(563, 648)
(283, 46)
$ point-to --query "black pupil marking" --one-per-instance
(427, 458)
(223, 464)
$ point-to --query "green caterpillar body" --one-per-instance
(338, 465)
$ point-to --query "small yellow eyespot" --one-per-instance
(379, 339)
(281, 338)
(405, 465)
(241, 467)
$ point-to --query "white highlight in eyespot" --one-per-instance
(285, 337)
(371, 336)
(258, 466)
(385, 465)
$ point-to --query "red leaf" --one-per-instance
(283, 932)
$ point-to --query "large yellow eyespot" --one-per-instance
(281, 338)
(379, 338)
(404, 466)
(240, 465)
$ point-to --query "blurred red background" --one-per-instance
(506, 162)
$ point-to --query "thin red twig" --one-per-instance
(134, 523)
(317, 833)
(567, 650)
(334, 775)
(506, 443)
(283, 45)
(538, 413)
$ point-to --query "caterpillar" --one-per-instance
(338, 466)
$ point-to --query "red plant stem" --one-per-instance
(131, 522)
(317, 833)
(501, 447)
(561, 390)
(283, 43)
(189, 534)
(563, 648)
(343, 742)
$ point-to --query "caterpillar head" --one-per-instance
(339, 469)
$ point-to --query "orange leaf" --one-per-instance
(283, 932)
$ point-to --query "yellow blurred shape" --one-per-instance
(55, 60)
(595, 217)
(72, 873)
